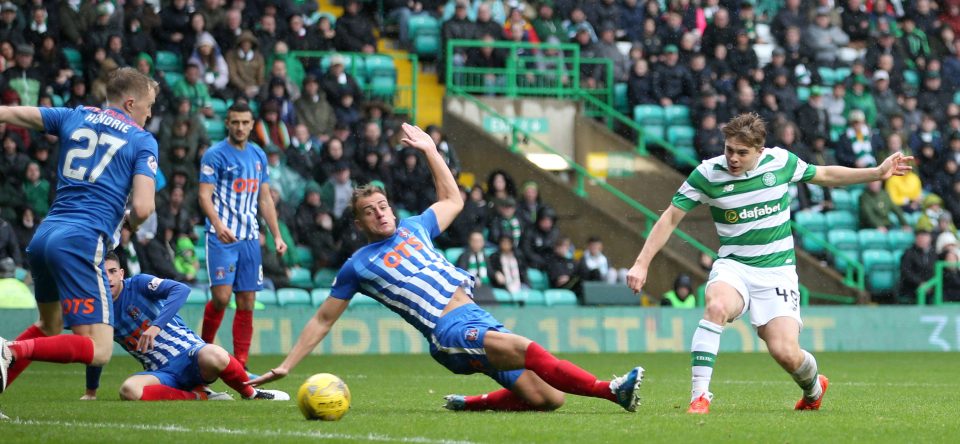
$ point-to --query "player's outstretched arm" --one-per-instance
(23, 116)
(834, 175)
(314, 332)
(269, 211)
(637, 276)
(449, 203)
(142, 200)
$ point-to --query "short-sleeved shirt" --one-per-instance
(135, 309)
(752, 211)
(236, 176)
(406, 273)
(100, 152)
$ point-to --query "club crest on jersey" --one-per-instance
(769, 179)
(471, 334)
(403, 232)
(207, 170)
(259, 166)
(220, 274)
(152, 163)
(154, 284)
(134, 312)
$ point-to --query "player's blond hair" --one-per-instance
(365, 191)
(748, 129)
(125, 82)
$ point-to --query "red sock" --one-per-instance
(235, 376)
(565, 375)
(242, 332)
(21, 364)
(211, 323)
(164, 393)
(503, 400)
(61, 348)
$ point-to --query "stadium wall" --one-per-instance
(375, 330)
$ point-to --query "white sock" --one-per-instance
(806, 377)
(706, 344)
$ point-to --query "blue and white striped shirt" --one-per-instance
(145, 301)
(236, 176)
(406, 273)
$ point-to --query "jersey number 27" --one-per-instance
(94, 140)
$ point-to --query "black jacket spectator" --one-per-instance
(156, 258)
(354, 31)
(855, 23)
(9, 244)
(916, 266)
(538, 241)
(673, 81)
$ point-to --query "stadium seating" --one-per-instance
(198, 296)
(453, 253)
(304, 257)
(219, 107)
(361, 300)
(324, 277)
(216, 129)
(842, 199)
(841, 220)
(900, 240)
(200, 231)
(379, 65)
(655, 131)
(620, 102)
(300, 278)
(538, 279)
(200, 252)
(267, 297)
(293, 296)
(649, 115)
(880, 270)
(815, 222)
(681, 136)
(559, 296)
(426, 44)
(602, 293)
(502, 296)
(318, 295)
(803, 93)
(677, 115)
(847, 242)
(172, 78)
(202, 276)
(383, 87)
(74, 59)
(872, 239)
(525, 296)
(167, 61)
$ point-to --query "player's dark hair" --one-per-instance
(365, 191)
(111, 256)
(125, 82)
(748, 129)
(239, 107)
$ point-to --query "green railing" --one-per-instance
(519, 135)
(541, 70)
(936, 283)
(378, 80)
(854, 276)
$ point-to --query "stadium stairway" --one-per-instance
(653, 185)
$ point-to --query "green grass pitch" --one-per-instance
(873, 397)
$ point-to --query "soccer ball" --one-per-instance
(323, 396)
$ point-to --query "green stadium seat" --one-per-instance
(649, 115)
(841, 73)
(900, 240)
(172, 78)
(956, 97)
(403, 213)
(304, 257)
(827, 76)
(202, 277)
(267, 297)
(559, 296)
(219, 106)
(383, 87)
(842, 220)
(197, 296)
(847, 242)
(293, 296)
(855, 194)
(318, 295)
(502, 296)
(913, 218)
(362, 300)
(842, 199)
(167, 61)
(200, 232)
(200, 252)
(872, 239)
(379, 65)
(56, 100)
(20, 274)
(216, 129)
(677, 115)
(538, 279)
(453, 253)
(353, 65)
(681, 136)
(655, 131)
(526, 294)
(74, 59)
(534, 298)
(911, 77)
(427, 45)
(815, 222)
(300, 278)
(803, 93)
(620, 102)
(420, 24)
(880, 270)
(324, 277)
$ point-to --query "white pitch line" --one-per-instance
(225, 431)
(847, 383)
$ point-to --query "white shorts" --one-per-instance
(767, 292)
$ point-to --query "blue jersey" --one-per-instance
(145, 301)
(406, 273)
(100, 152)
(236, 176)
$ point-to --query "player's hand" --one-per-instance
(895, 165)
(281, 246)
(272, 375)
(415, 137)
(145, 343)
(226, 235)
(636, 278)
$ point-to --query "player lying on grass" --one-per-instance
(402, 269)
(177, 363)
(747, 191)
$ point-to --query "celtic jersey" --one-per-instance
(752, 211)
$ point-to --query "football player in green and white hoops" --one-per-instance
(746, 190)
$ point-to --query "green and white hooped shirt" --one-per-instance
(752, 211)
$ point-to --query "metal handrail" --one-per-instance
(854, 276)
(936, 282)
